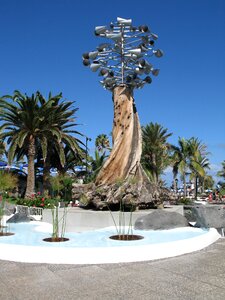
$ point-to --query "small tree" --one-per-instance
(155, 154)
(56, 185)
(8, 181)
(221, 173)
(102, 143)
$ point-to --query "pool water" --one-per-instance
(32, 234)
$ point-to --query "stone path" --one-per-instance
(196, 276)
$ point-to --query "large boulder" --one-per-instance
(208, 216)
(160, 219)
(18, 218)
(22, 215)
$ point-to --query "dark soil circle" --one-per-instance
(55, 240)
(126, 237)
(6, 233)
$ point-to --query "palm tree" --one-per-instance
(96, 165)
(71, 160)
(2, 149)
(30, 122)
(102, 142)
(208, 182)
(221, 173)
(63, 148)
(181, 160)
(155, 155)
(190, 155)
(22, 124)
(198, 166)
(199, 162)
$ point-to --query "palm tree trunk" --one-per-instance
(175, 185)
(185, 186)
(196, 187)
(124, 159)
(203, 185)
(155, 174)
(46, 175)
(30, 171)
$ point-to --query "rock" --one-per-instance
(188, 213)
(18, 218)
(160, 219)
(80, 189)
(143, 194)
(209, 216)
(22, 215)
(128, 199)
(9, 209)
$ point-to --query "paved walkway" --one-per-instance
(200, 275)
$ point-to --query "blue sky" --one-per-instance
(42, 42)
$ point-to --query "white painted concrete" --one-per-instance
(79, 220)
(101, 255)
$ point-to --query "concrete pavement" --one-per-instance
(196, 276)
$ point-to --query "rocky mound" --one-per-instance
(161, 219)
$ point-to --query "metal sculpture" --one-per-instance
(123, 64)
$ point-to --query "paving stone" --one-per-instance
(214, 295)
(21, 276)
(214, 281)
(48, 290)
(5, 292)
(198, 276)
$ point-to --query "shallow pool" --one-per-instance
(95, 247)
(33, 234)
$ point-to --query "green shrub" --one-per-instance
(61, 185)
(8, 181)
(185, 201)
(38, 201)
(83, 200)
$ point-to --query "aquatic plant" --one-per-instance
(58, 223)
(123, 228)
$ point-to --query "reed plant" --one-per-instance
(123, 228)
(58, 222)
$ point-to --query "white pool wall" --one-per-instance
(79, 220)
(102, 255)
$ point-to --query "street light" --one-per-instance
(86, 148)
(124, 59)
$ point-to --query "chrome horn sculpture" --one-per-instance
(123, 60)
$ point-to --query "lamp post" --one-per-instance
(123, 63)
(86, 156)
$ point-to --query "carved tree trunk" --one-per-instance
(122, 164)
(124, 159)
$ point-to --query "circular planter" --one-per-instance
(126, 237)
(6, 233)
(56, 240)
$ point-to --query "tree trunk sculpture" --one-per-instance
(122, 178)
(124, 159)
